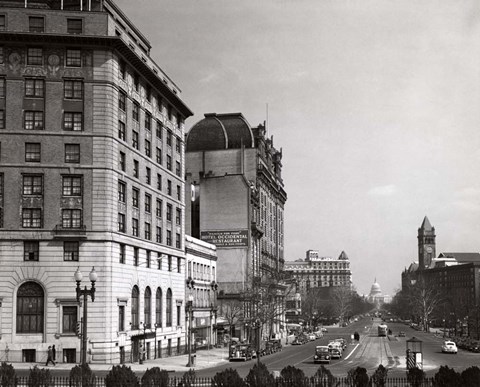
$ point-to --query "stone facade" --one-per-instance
(91, 174)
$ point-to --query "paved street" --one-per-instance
(369, 352)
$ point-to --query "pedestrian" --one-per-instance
(54, 353)
(49, 356)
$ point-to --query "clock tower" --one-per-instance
(426, 244)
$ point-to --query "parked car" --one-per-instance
(322, 354)
(449, 347)
(312, 337)
(319, 334)
(240, 352)
(474, 346)
(401, 334)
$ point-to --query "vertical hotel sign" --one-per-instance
(237, 238)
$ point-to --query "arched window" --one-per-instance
(169, 308)
(30, 302)
(147, 308)
(135, 307)
(158, 307)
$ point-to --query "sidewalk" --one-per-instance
(203, 359)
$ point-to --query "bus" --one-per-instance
(382, 330)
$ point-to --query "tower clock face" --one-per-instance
(429, 249)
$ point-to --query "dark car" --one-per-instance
(401, 334)
(322, 354)
(240, 352)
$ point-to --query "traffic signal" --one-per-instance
(78, 328)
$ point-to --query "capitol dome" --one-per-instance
(375, 290)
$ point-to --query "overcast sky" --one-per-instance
(375, 103)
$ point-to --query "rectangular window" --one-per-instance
(71, 185)
(69, 322)
(71, 251)
(169, 263)
(148, 121)
(178, 168)
(148, 203)
(122, 187)
(179, 192)
(148, 175)
(148, 93)
(169, 137)
(135, 168)
(178, 145)
(122, 101)
(72, 153)
(135, 111)
(34, 87)
(73, 57)
(170, 112)
(136, 82)
(32, 152)
(3, 22)
(135, 227)
(121, 222)
(135, 139)
(169, 212)
(74, 26)
(73, 121)
(36, 24)
(159, 155)
(169, 238)
(32, 184)
(31, 218)
(121, 318)
(149, 258)
(71, 218)
(121, 161)
(178, 216)
(35, 56)
(2, 119)
(159, 129)
(148, 231)
(148, 148)
(159, 208)
(2, 88)
(159, 237)
(122, 67)
(121, 130)
(122, 254)
(169, 187)
(169, 162)
(135, 197)
(159, 182)
(135, 256)
(31, 250)
(72, 89)
(33, 120)
(178, 242)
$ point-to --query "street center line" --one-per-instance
(352, 351)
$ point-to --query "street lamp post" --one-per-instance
(213, 310)
(189, 311)
(85, 293)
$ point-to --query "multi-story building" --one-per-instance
(91, 174)
(316, 271)
(237, 202)
(454, 278)
(201, 279)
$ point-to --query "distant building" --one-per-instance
(317, 271)
(237, 199)
(455, 276)
(91, 174)
(376, 296)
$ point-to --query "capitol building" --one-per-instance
(376, 296)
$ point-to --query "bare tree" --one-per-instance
(232, 311)
(342, 298)
(424, 299)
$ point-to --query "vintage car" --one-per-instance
(449, 347)
(322, 354)
(240, 352)
(335, 353)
